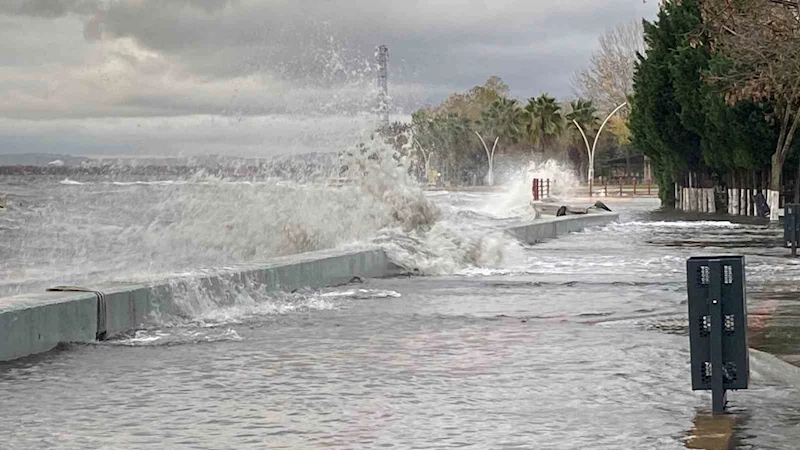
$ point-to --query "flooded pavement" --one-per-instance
(582, 344)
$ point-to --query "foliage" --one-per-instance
(545, 121)
(585, 113)
(502, 119)
(448, 131)
(657, 115)
(757, 46)
(682, 120)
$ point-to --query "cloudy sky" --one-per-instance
(259, 77)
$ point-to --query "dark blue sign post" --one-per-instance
(718, 326)
(791, 227)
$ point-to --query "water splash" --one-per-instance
(450, 246)
(201, 314)
(564, 183)
(106, 229)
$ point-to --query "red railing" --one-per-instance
(540, 188)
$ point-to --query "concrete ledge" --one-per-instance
(36, 323)
(552, 227)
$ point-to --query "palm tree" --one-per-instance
(545, 121)
(503, 119)
(583, 112)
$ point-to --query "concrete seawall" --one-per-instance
(552, 227)
(37, 322)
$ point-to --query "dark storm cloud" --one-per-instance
(81, 73)
(452, 43)
(331, 41)
(60, 8)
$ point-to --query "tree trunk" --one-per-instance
(784, 145)
(777, 170)
(774, 197)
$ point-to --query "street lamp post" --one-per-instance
(591, 150)
(490, 157)
(426, 157)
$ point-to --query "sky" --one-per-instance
(263, 77)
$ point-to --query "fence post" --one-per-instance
(535, 189)
(790, 226)
(793, 224)
(620, 187)
(649, 183)
(634, 187)
(548, 187)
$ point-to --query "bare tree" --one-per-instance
(608, 80)
(761, 40)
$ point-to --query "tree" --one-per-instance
(460, 150)
(423, 138)
(608, 81)
(545, 121)
(584, 113)
(447, 130)
(758, 58)
(472, 103)
(503, 119)
(655, 120)
(681, 118)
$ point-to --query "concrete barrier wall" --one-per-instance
(552, 227)
(36, 323)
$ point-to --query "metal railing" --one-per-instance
(622, 187)
(540, 188)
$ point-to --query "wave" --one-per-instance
(112, 232)
(68, 182)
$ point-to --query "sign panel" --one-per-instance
(718, 322)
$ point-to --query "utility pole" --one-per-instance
(382, 56)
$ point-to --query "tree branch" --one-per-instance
(790, 3)
(784, 125)
(787, 145)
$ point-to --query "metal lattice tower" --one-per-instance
(382, 56)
